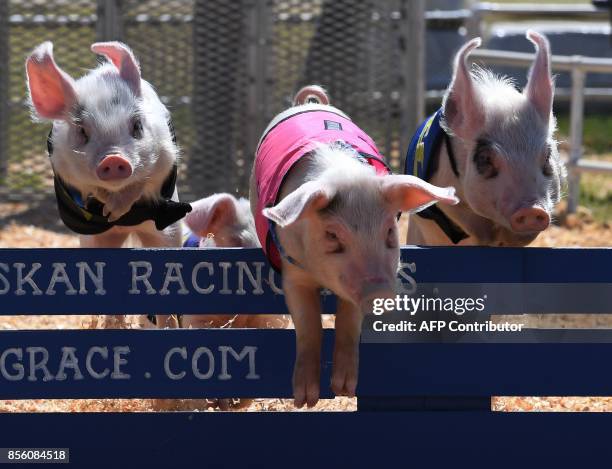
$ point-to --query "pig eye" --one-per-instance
(483, 159)
(137, 129)
(547, 169)
(335, 247)
(391, 240)
(83, 135)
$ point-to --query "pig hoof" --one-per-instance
(306, 379)
(344, 376)
(114, 212)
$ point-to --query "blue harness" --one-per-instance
(422, 161)
(191, 241)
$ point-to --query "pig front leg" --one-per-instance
(346, 349)
(117, 204)
(304, 303)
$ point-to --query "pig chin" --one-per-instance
(507, 237)
(370, 292)
(494, 230)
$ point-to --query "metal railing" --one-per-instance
(521, 11)
(578, 66)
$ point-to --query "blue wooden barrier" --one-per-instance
(395, 374)
(210, 281)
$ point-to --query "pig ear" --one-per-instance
(123, 58)
(540, 88)
(304, 201)
(463, 110)
(410, 194)
(210, 214)
(51, 89)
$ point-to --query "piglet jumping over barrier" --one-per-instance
(325, 208)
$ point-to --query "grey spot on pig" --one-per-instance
(510, 172)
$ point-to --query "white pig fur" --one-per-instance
(518, 129)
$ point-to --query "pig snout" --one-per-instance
(529, 219)
(374, 288)
(114, 168)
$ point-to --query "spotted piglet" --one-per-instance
(112, 149)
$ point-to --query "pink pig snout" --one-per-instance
(114, 168)
(529, 219)
(373, 288)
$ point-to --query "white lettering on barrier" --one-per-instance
(18, 367)
(97, 278)
(194, 278)
(174, 274)
(144, 278)
(21, 280)
(69, 360)
(33, 363)
(103, 352)
(246, 351)
(225, 266)
(272, 280)
(182, 351)
(195, 363)
(118, 361)
(60, 276)
(177, 371)
(5, 282)
(254, 279)
(408, 285)
(236, 278)
(38, 365)
(14, 364)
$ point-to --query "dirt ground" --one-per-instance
(20, 227)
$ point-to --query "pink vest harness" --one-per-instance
(289, 140)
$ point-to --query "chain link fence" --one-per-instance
(223, 68)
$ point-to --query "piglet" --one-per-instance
(325, 207)
(112, 149)
(222, 221)
(495, 144)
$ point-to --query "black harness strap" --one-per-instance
(451, 153)
(422, 161)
